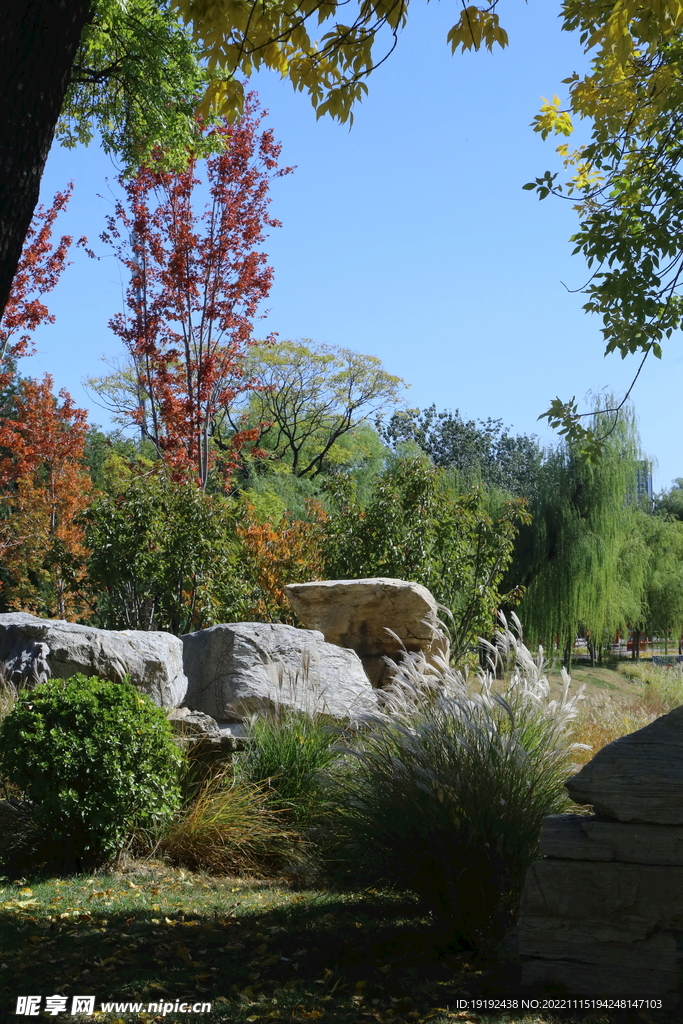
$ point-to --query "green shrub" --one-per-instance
(97, 761)
(449, 788)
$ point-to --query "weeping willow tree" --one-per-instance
(580, 560)
(662, 536)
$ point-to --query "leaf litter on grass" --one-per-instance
(258, 951)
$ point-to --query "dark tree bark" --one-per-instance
(40, 40)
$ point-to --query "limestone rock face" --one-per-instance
(638, 777)
(357, 613)
(240, 668)
(602, 929)
(34, 649)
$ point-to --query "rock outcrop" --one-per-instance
(33, 649)
(241, 668)
(602, 913)
(638, 777)
(193, 729)
(357, 613)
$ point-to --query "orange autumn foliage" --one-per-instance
(43, 484)
(291, 552)
(44, 488)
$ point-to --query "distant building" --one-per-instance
(644, 480)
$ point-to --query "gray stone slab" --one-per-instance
(585, 979)
(659, 952)
(576, 837)
(614, 902)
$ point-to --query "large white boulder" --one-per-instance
(33, 649)
(358, 613)
(240, 668)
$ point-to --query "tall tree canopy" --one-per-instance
(196, 283)
(576, 557)
(627, 182)
(138, 69)
(310, 397)
(483, 450)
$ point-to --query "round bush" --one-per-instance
(97, 760)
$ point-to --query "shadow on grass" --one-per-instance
(300, 956)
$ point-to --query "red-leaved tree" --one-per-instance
(197, 280)
(39, 270)
(41, 540)
(43, 482)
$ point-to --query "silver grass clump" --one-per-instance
(417, 683)
(447, 786)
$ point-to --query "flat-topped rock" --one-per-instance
(357, 613)
(639, 777)
(34, 649)
(242, 668)
(576, 837)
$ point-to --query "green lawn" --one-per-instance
(258, 951)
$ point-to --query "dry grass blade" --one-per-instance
(229, 829)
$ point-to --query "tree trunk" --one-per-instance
(40, 40)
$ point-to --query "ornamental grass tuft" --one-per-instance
(291, 750)
(228, 828)
(448, 786)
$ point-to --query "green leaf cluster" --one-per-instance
(482, 452)
(163, 556)
(137, 79)
(626, 182)
(414, 528)
(332, 66)
(97, 760)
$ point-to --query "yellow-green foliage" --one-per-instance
(603, 719)
(660, 688)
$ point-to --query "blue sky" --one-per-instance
(409, 237)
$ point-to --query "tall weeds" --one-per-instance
(449, 786)
(659, 688)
